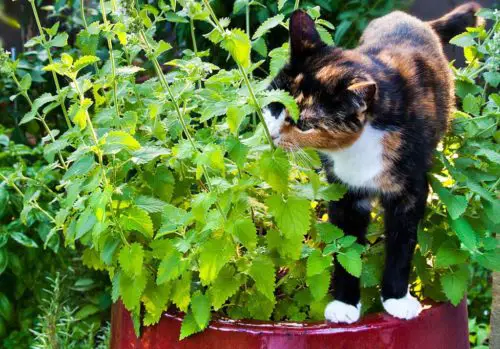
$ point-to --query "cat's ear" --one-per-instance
(304, 38)
(365, 91)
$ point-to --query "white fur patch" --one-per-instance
(359, 165)
(338, 311)
(274, 123)
(407, 307)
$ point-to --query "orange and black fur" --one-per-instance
(375, 114)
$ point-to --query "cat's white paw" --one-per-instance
(338, 311)
(407, 307)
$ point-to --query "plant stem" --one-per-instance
(40, 118)
(297, 3)
(193, 37)
(245, 79)
(84, 20)
(51, 61)
(111, 56)
(19, 191)
(166, 87)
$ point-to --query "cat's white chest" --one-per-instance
(360, 164)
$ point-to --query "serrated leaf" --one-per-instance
(291, 215)
(155, 300)
(448, 254)
(351, 261)
(173, 218)
(188, 326)
(115, 141)
(149, 204)
(274, 168)
(234, 119)
(328, 232)
(135, 218)
(131, 290)
(131, 259)
(317, 263)
(245, 232)
(455, 204)
(319, 284)
(80, 167)
(171, 266)
(455, 284)
(465, 233)
(263, 273)
(279, 58)
(463, 40)
(489, 259)
(267, 25)
(214, 255)
(84, 61)
(237, 43)
(333, 192)
(181, 292)
(200, 307)
(284, 98)
(281, 3)
(60, 40)
(22, 239)
(225, 285)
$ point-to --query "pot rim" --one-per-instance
(370, 322)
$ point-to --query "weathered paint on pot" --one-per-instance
(440, 326)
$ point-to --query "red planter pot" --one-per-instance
(440, 326)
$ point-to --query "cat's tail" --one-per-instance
(456, 21)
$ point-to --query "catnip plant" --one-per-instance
(174, 187)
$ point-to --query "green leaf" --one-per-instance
(274, 168)
(239, 5)
(351, 261)
(60, 40)
(181, 295)
(162, 47)
(319, 284)
(284, 98)
(149, 204)
(173, 218)
(25, 83)
(281, 3)
(263, 273)
(471, 104)
(448, 255)
(23, 239)
(135, 218)
(455, 204)
(489, 259)
(317, 263)
(80, 167)
(155, 300)
(291, 215)
(85, 223)
(333, 192)
(328, 232)
(4, 260)
(225, 285)
(463, 40)
(455, 284)
(115, 141)
(237, 43)
(171, 266)
(234, 119)
(201, 203)
(267, 25)
(85, 61)
(131, 259)
(188, 326)
(465, 233)
(200, 307)
(214, 255)
(245, 232)
(279, 58)
(131, 290)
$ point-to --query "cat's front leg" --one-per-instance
(352, 215)
(402, 215)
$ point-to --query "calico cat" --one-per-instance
(376, 115)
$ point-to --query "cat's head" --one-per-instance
(332, 89)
